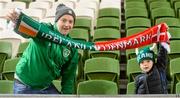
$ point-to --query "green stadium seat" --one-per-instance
(150, 1)
(175, 33)
(159, 4)
(6, 47)
(82, 22)
(138, 22)
(111, 54)
(177, 8)
(136, 12)
(105, 34)
(80, 34)
(134, 0)
(133, 69)
(178, 88)
(5, 52)
(161, 12)
(102, 68)
(175, 49)
(9, 68)
(174, 72)
(135, 4)
(6, 87)
(173, 2)
(109, 12)
(130, 88)
(97, 87)
(26, 1)
(3, 57)
(132, 31)
(174, 67)
(170, 21)
(108, 22)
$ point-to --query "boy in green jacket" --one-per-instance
(43, 61)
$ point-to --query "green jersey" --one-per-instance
(44, 61)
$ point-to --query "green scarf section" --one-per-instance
(32, 28)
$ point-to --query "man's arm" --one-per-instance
(69, 75)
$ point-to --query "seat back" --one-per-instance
(130, 88)
(170, 21)
(6, 87)
(6, 47)
(5, 52)
(161, 12)
(175, 49)
(109, 12)
(80, 34)
(174, 72)
(104, 34)
(102, 68)
(109, 22)
(133, 69)
(138, 22)
(9, 68)
(136, 12)
(97, 87)
(178, 88)
(158, 4)
(175, 35)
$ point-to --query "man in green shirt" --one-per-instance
(44, 61)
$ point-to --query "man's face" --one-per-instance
(65, 24)
(146, 65)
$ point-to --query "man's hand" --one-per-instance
(12, 15)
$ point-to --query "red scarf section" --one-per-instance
(158, 33)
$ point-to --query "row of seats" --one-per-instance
(102, 87)
(95, 70)
(87, 15)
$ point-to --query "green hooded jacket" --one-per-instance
(44, 61)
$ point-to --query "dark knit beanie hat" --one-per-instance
(63, 10)
(145, 54)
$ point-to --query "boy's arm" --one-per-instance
(69, 75)
(162, 59)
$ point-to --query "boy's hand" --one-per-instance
(166, 45)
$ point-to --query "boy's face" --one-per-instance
(65, 24)
(146, 65)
